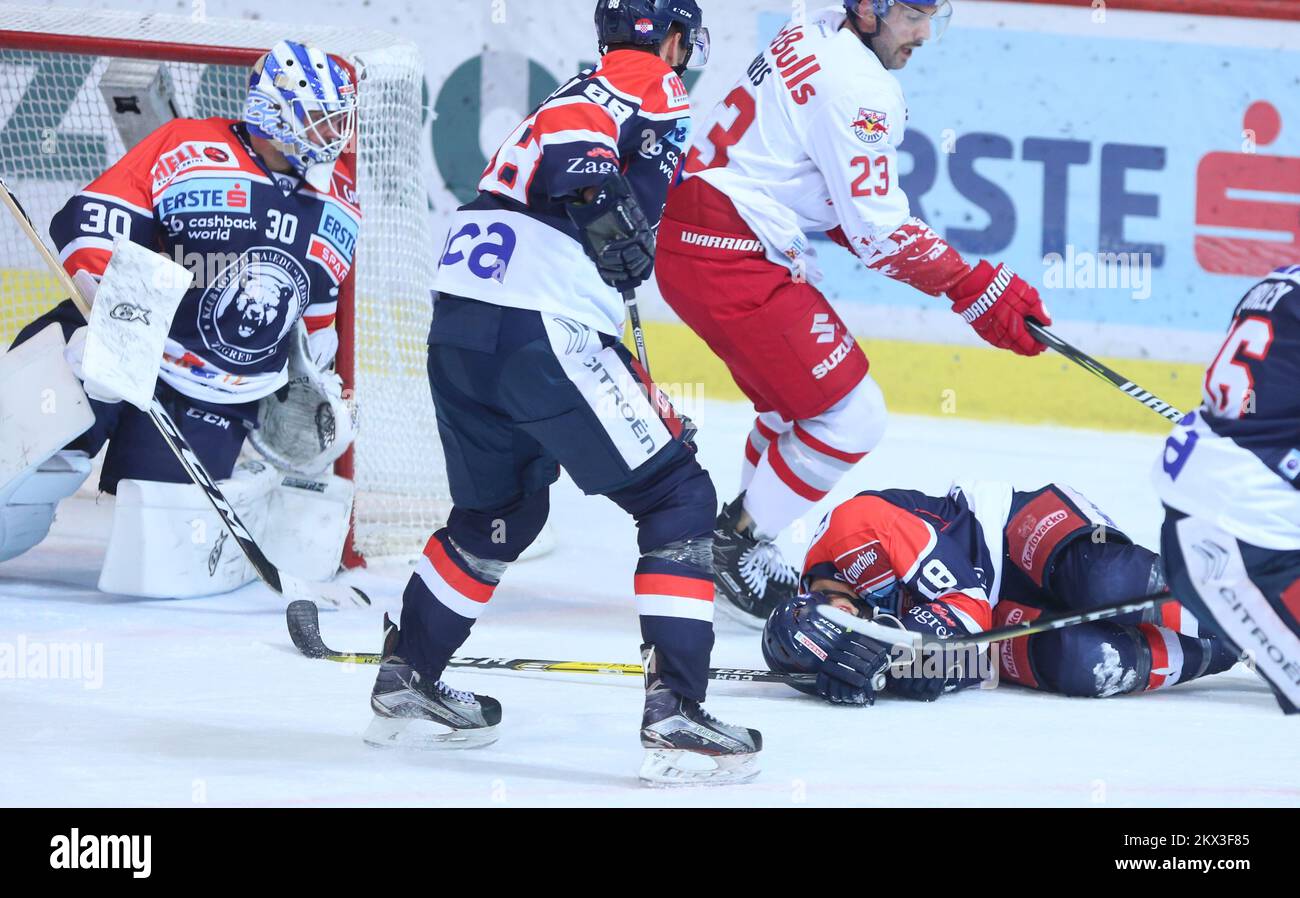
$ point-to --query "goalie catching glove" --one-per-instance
(616, 234)
(306, 425)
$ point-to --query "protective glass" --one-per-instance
(939, 14)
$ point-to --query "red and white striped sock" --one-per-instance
(795, 472)
(767, 427)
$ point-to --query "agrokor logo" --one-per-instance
(249, 308)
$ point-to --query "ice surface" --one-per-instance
(204, 701)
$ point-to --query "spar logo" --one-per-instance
(250, 306)
(1246, 201)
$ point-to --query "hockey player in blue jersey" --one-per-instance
(263, 211)
(986, 554)
(1229, 477)
(528, 374)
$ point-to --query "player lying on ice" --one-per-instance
(263, 213)
(807, 144)
(528, 373)
(983, 556)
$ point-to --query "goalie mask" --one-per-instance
(304, 101)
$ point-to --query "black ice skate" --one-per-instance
(411, 712)
(685, 745)
(749, 574)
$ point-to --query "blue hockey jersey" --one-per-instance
(265, 249)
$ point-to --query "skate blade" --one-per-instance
(733, 612)
(671, 767)
(416, 734)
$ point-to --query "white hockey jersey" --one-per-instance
(808, 141)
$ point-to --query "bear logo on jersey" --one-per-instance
(250, 307)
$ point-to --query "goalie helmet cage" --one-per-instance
(57, 133)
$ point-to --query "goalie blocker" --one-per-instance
(300, 520)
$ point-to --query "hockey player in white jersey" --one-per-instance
(805, 143)
(1229, 477)
(528, 373)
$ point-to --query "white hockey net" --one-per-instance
(57, 134)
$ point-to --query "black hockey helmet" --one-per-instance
(646, 23)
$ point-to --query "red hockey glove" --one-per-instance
(996, 303)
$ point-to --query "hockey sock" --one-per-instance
(442, 600)
(795, 472)
(767, 427)
(675, 601)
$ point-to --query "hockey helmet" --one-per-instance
(645, 23)
(939, 11)
(304, 101)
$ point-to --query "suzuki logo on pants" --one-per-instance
(824, 328)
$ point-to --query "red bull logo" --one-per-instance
(870, 125)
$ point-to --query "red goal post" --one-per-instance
(56, 134)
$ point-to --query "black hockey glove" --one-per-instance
(925, 682)
(616, 234)
(852, 664)
(848, 665)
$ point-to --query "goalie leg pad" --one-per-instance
(27, 504)
(42, 404)
(307, 524)
(167, 542)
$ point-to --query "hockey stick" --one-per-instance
(891, 635)
(689, 430)
(283, 583)
(1088, 363)
(303, 619)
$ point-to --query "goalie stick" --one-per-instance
(282, 583)
(1088, 363)
(303, 619)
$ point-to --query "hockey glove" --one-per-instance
(616, 234)
(925, 680)
(796, 639)
(996, 303)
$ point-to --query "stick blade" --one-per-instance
(303, 620)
